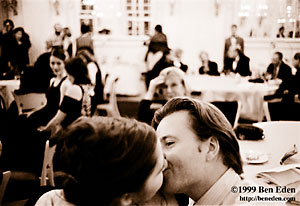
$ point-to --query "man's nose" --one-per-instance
(165, 164)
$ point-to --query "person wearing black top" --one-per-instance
(71, 105)
(236, 62)
(208, 67)
(95, 76)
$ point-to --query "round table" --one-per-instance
(280, 137)
(228, 88)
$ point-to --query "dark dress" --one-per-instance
(72, 108)
(98, 91)
(45, 114)
(20, 56)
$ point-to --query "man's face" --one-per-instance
(275, 59)
(233, 30)
(184, 152)
(8, 27)
(296, 63)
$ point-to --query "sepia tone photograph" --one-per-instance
(149, 102)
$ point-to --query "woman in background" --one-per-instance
(55, 92)
(108, 161)
(71, 105)
(95, 76)
(20, 47)
(170, 83)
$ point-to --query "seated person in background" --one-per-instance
(280, 32)
(236, 62)
(208, 67)
(202, 149)
(108, 161)
(95, 77)
(28, 137)
(71, 106)
(177, 54)
(170, 83)
(277, 69)
(55, 92)
(290, 86)
(295, 88)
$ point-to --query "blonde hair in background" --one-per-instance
(180, 74)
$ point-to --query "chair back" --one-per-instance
(29, 102)
(47, 176)
(286, 111)
(231, 110)
(111, 107)
(5, 179)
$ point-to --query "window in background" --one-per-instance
(87, 13)
(138, 13)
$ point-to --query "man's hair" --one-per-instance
(297, 56)
(206, 121)
(281, 28)
(158, 28)
(234, 26)
(84, 28)
(11, 23)
(280, 55)
(105, 158)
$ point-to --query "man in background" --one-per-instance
(234, 40)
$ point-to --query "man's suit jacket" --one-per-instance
(239, 41)
(242, 67)
(213, 69)
(284, 73)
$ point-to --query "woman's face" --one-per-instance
(155, 179)
(18, 35)
(173, 87)
(57, 65)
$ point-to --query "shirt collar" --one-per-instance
(219, 191)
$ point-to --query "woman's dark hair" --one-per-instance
(59, 53)
(87, 55)
(206, 121)
(18, 29)
(105, 158)
(78, 69)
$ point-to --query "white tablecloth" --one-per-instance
(225, 88)
(280, 136)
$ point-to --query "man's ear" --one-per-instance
(213, 148)
(126, 199)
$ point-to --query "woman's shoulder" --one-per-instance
(74, 91)
(54, 198)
